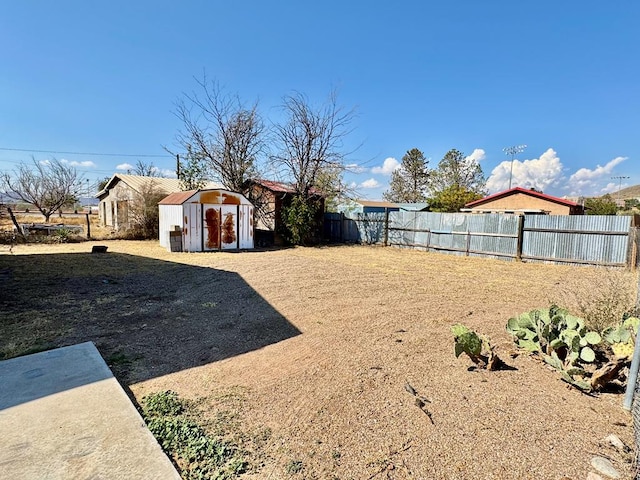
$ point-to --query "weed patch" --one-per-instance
(197, 454)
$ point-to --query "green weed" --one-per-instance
(198, 454)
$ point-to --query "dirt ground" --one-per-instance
(303, 354)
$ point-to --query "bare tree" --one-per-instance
(48, 185)
(311, 154)
(223, 132)
(144, 213)
(146, 169)
(311, 139)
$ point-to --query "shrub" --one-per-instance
(604, 301)
(299, 219)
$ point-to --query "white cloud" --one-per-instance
(74, 163)
(371, 183)
(610, 188)
(354, 168)
(167, 173)
(587, 181)
(388, 166)
(44, 162)
(124, 166)
(477, 155)
(539, 173)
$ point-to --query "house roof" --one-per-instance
(377, 203)
(516, 190)
(138, 182)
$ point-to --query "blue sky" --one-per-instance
(558, 76)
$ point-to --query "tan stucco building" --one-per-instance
(519, 200)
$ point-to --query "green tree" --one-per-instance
(102, 183)
(604, 205)
(457, 181)
(452, 199)
(409, 183)
(299, 219)
(330, 182)
(193, 171)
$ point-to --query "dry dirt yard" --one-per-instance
(302, 355)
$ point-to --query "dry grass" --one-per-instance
(98, 232)
(602, 302)
(306, 352)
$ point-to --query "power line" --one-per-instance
(146, 155)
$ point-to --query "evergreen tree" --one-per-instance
(409, 183)
(457, 181)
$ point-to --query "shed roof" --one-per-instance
(516, 190)
(177, 198)
(205, 195)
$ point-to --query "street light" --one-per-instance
(512, 151)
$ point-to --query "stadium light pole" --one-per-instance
(512, 151)
(620, 178)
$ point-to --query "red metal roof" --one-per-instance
(276, 186)
(283, 187)
(525, 191)
(177, 198)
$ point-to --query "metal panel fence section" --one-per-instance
(368, 228)
(589, 239)
(490, 235)
(578, 240)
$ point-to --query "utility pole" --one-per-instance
(512, 151)
(620, 178)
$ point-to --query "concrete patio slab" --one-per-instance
(63, 415)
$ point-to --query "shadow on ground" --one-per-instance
(147, 317)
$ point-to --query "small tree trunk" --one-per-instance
(15, 222)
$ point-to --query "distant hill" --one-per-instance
(627, 193)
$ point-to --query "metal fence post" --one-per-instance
(386, 227)
(520, 238)
(635, 363)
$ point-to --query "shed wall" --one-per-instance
(170, 216)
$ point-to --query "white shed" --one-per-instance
(206, 220)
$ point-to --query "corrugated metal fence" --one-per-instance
(591, 240)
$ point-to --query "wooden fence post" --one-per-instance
(386, 227)
(88, 227)
(15, 222)
(520, 238)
